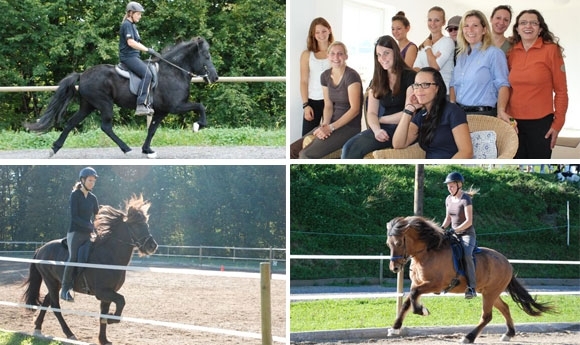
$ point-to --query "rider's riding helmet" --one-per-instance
(454, 177)
(86, 172)
(134, 6)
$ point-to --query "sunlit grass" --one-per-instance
(445, 311)
(134, 137)
(9, 338)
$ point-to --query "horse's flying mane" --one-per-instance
(136, 210)
(429, 231)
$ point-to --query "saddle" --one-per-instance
(458, 260)
(135, 80)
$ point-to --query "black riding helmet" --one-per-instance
(454, 177)
(86, 172)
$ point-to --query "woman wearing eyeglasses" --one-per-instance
(539, 95)
(480, 79)
(438, 125)
(437, 50)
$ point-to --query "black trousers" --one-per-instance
(531, 137)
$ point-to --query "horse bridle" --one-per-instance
(405, 257)
(138, 242)
(191, 74)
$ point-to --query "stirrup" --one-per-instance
(470, 293)
(66, 296)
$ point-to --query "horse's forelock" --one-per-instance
(396, 226)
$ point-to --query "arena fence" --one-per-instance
(265, 277)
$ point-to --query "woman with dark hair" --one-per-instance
(83, 208)
(438, 125)
(388, 88)
(400, 28)
(314, 61)
(500, 20)
(539, 92)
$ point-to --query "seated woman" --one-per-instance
(391, 78)
(438, 125)
(341, 119)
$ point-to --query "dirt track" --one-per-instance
(216, 302)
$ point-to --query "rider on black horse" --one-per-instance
(129, 47)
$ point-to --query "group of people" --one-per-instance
(423, 93)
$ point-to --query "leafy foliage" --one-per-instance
(241, 206)
(46, 40)
(343, 209)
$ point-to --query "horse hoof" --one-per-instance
(37, 333)
(466, 341)
(51, 153)
(393, 332)
(195, 127)
(151, 155)
(72, 337)
(505, 337)
(425, 311)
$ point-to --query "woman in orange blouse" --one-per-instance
(539, 94)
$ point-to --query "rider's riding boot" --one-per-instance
(142, 109)
(470, 293)
(67, 284)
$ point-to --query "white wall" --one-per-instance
(559, 14)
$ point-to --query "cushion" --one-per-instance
(484, 145)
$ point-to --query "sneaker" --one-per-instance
(142, 109)
(470, 293)
(66, 296)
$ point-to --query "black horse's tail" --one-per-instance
(32, 293)
(58, 103)
(525, 301)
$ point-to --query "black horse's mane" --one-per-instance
(429, 231)
(180, 50)
(109, 217)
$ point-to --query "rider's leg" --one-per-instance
(468, 242)
(140, 68)
(74, 240)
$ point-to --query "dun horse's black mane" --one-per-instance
(109, 217)
(429, 231)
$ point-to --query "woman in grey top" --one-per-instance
(459, 214)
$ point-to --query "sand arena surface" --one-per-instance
(216, 302)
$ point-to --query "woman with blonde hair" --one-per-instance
(480, 79)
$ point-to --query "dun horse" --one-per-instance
(432, 271)
(118, 234)
(100, 87)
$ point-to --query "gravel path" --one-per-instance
(178, 152)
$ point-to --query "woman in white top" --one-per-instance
(437, 50)
(313, 62)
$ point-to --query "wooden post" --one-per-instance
(266, 307)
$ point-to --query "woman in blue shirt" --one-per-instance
(480, 79)
(438, 125)
(129, 48)
(83, 208)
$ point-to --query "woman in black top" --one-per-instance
(129, 47)
(386, 100)
(83, 208)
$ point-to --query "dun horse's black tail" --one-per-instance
(32, 293)
(525, 301)
(57, 106)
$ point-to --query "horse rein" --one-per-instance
(191, 74)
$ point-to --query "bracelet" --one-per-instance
(331, 128)
(408, 112)
(427, 47)
(305, 104)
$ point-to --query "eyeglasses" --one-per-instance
(451, 29)
(422, 85)
(532, 23)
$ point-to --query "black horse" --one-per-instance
(118, 234)
(101, 86)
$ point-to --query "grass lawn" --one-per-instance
(134, 137)
(9, 338)
(445, 311)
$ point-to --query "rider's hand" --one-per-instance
(153, 52)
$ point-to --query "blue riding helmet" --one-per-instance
(86, 172)
(454, 177)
